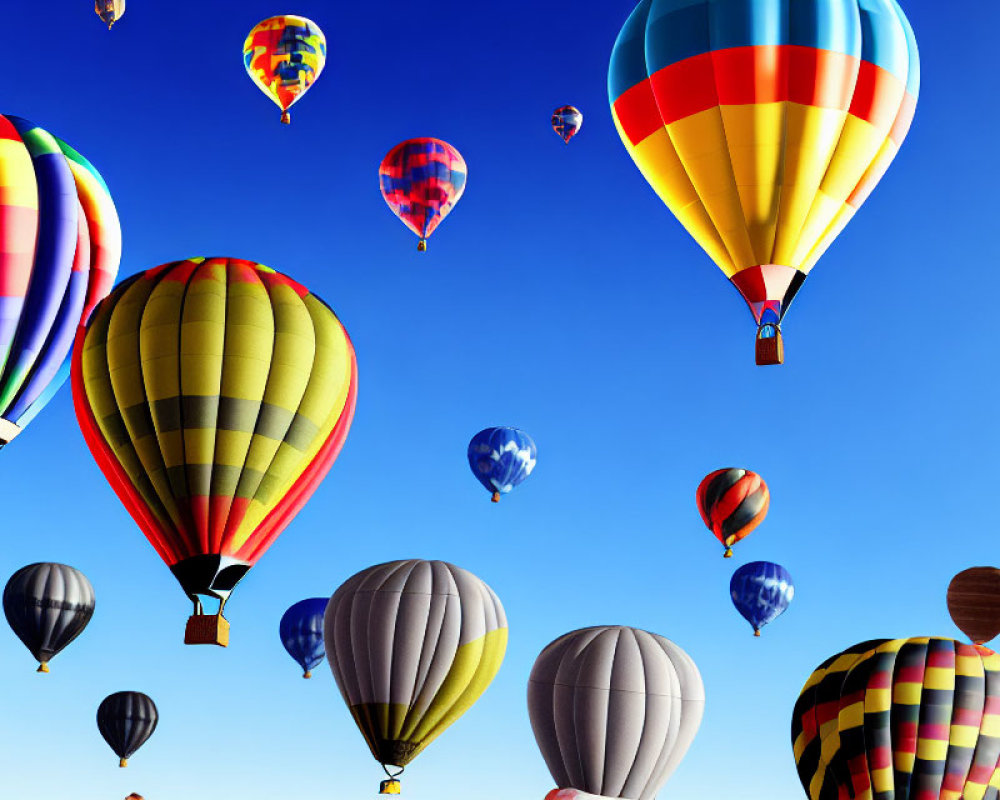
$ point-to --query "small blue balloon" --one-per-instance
(761, 592)
(301, 632)
(501, 458)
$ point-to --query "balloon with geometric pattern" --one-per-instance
(421, 180)
(566, 122)
(412, 645)
(732, 502)
(901, 719)
(284, 55)
(763, 125)
(215, 395)
(110, 11)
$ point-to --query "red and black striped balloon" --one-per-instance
(732, 502)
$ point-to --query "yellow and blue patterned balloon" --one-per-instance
(284, 55)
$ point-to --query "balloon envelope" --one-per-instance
(566, 122)
(126, 720)
(60, 243)
(48, 605)
(732, 502)
(974, 602)
(301, 632)
(421, 180)
(761, 591)
(638, 685)
(412, 645)
(763, 125)
(910, 719)
(284, 55)
(501, 458)
(110, 11)
(215, 395)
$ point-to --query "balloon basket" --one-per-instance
(391, 786)
(207, 629)
(422, 246)
(770, 348)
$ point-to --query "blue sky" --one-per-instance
(560, 297)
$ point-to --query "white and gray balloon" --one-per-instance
(614, 709)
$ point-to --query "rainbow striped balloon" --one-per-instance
(764, 125)
(60, 244)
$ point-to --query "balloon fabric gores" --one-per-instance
(412, 645)
(48, 605)
(60, 244)
(732, 503)
(639, 685)
(974, 602)
(215, 395)
(763, 125)
(566, 122)
(110, 11)
(421, 181)
(126, 720)
(908, 719)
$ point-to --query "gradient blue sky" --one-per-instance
(560, 297)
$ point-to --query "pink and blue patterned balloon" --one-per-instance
(501, 458)
(301, 632)
(761, 591)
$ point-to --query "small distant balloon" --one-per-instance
(501, 458)
(284, 55)
(567, 121)
(301, 632)
(422, 180)
(126, 720)
(48, 605)
(761, 591)
(732, 502)
(110, 11)
(974, 603)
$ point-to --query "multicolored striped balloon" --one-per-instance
(906, 719)
(421, 180)
(215, 394)
(732, 502)
(764, 125)
(60, 244)
(284, 55)
(761, 592)
(566, 122)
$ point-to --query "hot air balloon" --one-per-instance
(421, 180)
(412, 645)
(135, 796)
(732, 502)
(48, 605)
(908, 719)
(764, 126)
(301, 632)
(60, 243)
(110, 11)
(610, 678)
(284, 55)
(567, 121)
(761, 591)
(126, 720)
(974, 602)
(215, 394)
(501, 458)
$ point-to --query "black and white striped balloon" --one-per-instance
(126, 720)
(48, 605)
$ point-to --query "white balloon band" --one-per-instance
(8, 430)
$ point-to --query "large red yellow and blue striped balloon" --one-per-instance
(763, 124)
(901, 719)
(215, 395)
(60, 244)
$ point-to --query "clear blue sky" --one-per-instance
(560, 297)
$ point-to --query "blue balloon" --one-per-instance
(761, 592)
(501, 458)
(301, 632)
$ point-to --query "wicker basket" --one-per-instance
(770, 348)
(207, 629)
